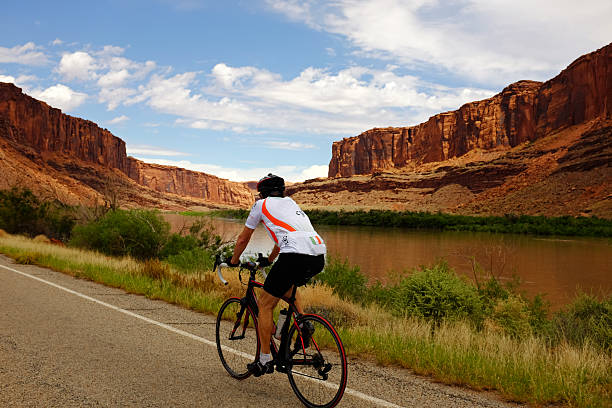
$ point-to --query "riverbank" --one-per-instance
(513, 224)
(520, 368)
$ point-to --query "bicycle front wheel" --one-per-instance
(317, 367)
(236, 336)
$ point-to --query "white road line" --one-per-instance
(348, 391)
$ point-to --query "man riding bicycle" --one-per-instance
(302, 256)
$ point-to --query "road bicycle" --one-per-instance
(315, 363)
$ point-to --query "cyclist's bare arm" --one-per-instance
(274, 253)
(241, 244)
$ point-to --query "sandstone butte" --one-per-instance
(524, 111)
(35, 136)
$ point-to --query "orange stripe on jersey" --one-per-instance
(275, 221)
(318, 239)
(271, 234)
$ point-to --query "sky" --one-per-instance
(240, 88)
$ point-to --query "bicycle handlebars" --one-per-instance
(250, 265)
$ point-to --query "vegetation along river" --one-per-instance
(556, 266)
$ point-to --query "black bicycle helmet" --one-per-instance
(271, 185)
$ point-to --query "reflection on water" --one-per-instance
(557, 267)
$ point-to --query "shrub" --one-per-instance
(192, 260)
(587, 319)
(512, 316)
(206, 234)
(138, 233)
(21, 212)
(178, 243)
(435, 293)
(345, 280)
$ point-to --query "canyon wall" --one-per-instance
(184, 182)
(30, 122)
(523, 111)
(35, 128)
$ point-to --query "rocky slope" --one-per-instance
(524, 111)
(77, 161)
(535, 148)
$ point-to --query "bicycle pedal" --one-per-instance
(326, 369)
(258, 369)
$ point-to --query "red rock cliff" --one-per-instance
(189, 183)
(523, 111)
(25, 121)
(33, 123)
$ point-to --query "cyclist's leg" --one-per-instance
(266, 303)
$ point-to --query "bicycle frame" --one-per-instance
(250, 299)
(294, 351)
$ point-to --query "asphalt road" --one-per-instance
(67, 342)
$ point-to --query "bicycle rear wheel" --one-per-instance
(236, 336)
(317, 370)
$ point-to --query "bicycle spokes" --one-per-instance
(317, 373)
(236, 334)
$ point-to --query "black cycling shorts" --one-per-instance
(292, 269)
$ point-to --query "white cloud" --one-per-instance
(26, 54)
(113, 78)
(315, 101)
(60, 96)
(78, 65)
(21, 81)
(311, 172)
(491, 41)
(289, 173)
(7, 78)
(286, 145)
(113, 97)
(57, 41)
(249, 99)
(118, 119)
(152, 150)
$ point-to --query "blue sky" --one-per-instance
(240, 88)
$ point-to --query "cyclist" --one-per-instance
(302, 256)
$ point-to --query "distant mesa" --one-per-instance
(76, 161)
(509, 153)
(534, 148)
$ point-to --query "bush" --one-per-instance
(587, 319)
(512, 316)
(435, 293)
(345, 280)
(192, 260)
(178, 243)
(21, 212)
(138, 233)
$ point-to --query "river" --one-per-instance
(558, 267)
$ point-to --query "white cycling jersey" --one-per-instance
(287, 225)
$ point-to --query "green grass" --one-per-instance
(523, 369)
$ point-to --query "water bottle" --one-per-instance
(282, 316)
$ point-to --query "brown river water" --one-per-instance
(558, 267)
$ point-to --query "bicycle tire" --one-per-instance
(236, 337)
(313, 385)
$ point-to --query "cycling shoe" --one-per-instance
(258, 369)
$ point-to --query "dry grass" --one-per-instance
(42, 239)
(524, 370)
